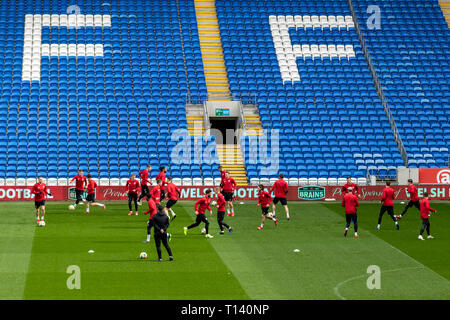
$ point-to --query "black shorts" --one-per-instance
(78, 194)
(351, 217)
(413, 204)
(265, 210)
(170, 203)
(389, 209)
(220, 215)
(144, 189)
(38, 204)
(228, 196)
(163, 195)
(283, 201)
(150, 223)
(90, 197)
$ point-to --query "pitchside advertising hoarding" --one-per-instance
(434, 176)
(295, 193)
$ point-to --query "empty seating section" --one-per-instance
(101, 90)
(330, 119)
(411, 55)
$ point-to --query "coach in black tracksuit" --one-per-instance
(160, 225)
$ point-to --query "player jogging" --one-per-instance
(350, 203)
(350, 184)
(172, 193)
(160, 225)
(90, 200)
(155, 193)
(132, 188)
(264, 200)
(425, 215)
(144, 175)
(40, 193)
(200, 207)
(80, 185)
(162, 176)
(221, 212)
(387, 204)
(414, 198)
(281, 189)
(229, 185)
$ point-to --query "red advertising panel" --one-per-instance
(434, 176)
(296, 193)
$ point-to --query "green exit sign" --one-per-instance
(222, 112)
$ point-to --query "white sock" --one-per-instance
(262, 225)
(148, 237)
(346, 228)
(173, 213)
(87, 209)
(75, 205)
(228, 210)
(273, 213)
(379, 225)
(356, 233)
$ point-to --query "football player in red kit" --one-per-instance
(172, 194)
(133, 188)
(40, 194)
(80, 185)
(221, 211)
(414, 198)
(222, 175)
(281, 189)
(90, 200)
(350, 184)
(145, 181)
(350, 203)
(425, 215)
(264, 200)
(229, 185)
(151, 211)
(155, 193)
(387, 204)
(200, 207)
(162, 176)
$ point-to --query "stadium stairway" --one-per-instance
(231, 159)
(253, 124)
(212, 53)
(445, 7)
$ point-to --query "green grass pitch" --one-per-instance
(249, 264)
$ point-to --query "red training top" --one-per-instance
(281, 188)
(264, 198)
(80, 183)
(388, 197)
(229, 185)
(172, 191)
(156, 194)
(91, 186)
(220, 203)
(144, 177)
(39, 191)
(350, 202)
(202, 204)
(354, 186)
(151, 208)
(425, 208)
(132, 186)
(412, 190)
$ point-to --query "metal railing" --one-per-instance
(397, 137)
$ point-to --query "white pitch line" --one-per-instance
(336, 289)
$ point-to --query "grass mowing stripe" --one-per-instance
(114, 271)
(16, 241)
(267, 268)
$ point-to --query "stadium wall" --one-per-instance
(296, 193)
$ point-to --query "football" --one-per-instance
(71, 207)
(143, 255)
(213, 203)
(42, 223)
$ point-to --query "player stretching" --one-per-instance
(352, 185)
(40, 192)
(152, 211)
(172, 193)
(281, 189)
(132, 188)
(414, 198)
(387, 204)
(162, 176)
(90, 200)
(264, 200)
(425, 215)
(156, 192)
(80, 184)
(350, 202)
(200, 207)
(221, 212)
(144, 175)
(229, 185)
